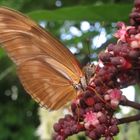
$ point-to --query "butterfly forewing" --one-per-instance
(46, 68)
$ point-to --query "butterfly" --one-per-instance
(49, 72)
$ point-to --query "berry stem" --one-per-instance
(126, 102)
(129, 119)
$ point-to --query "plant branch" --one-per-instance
(129, 119)
(126, 102)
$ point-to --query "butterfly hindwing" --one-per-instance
(45, 84)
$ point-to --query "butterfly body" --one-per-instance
(48, 71)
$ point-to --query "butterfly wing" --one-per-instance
(45, 84)
(46, 68)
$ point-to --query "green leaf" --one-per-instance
(109, 12)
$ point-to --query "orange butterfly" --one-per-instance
(48, 71)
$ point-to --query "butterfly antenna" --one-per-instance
(99, 96)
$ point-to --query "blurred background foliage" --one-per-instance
(86, 28)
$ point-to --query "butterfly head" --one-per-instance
(89, 72)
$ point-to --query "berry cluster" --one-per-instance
(92, 115)
(65, 127)
(93, 111)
